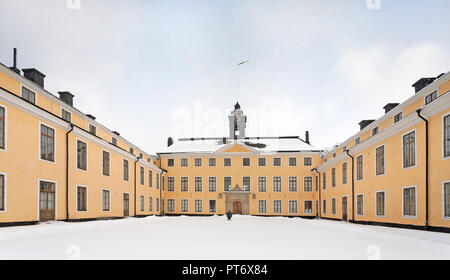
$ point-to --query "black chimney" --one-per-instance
(307, 137)
(389, 107)
(364, 123)
(116, 133)
(169, 141)
(421, 83)
(90, 116)
(14, 67)
(66, 97)
(34, 75)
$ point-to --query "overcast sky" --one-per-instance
(153, 69)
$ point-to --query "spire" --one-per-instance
(237, 106)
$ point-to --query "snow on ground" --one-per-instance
(245, 237)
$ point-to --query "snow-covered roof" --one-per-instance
(258, 144)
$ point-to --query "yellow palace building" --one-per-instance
(58, 163)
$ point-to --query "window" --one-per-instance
(184, 162)
(227, 183)
(344, 173)
(360, 205)
(246, 183)
(446, 200)
(374, 131)
(198, 205)
(333, 206)
(28, 95)
(334, 155)
(409, 149)
(307, 161)
(2, 193)
(198, 184)
(184, 184)
(212, 162)
(379, 154)
(198, 162)
(170, 205)
(430, 98)
(262, 184)
(324, 206)
(2, 127)
(150, 203)
(212, 206)
(92, 129)
(66, 115)
(170, 184)
(81, 198)
(261, 161)
(359, 167)
(141, 175)
(344, 149)
(447, 136)
(277, 206)
(308, 207)
(184, 205)
(357, 141)
(246, 162)
(409, 201)
(46, 195)
(140, 155)
(292, 206)
(150, 178)
(277, 184)
(81, 155)
(307, 184)
(157, 204)
(47, 143)
(157, 181)
(276, 161)
(293, 161)
(142, 203)
(212, 184)
(380, 202)
(398, 117)
(170, 162)
(114, 141)
(333, 177)
(227, 162)
(262, 206)
(125, 170)
(317, 183)
(106, 163)
(292, 184)
(324, 180)
(131, 150)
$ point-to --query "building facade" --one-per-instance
(58, 163)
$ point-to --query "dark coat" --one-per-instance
(229, 214)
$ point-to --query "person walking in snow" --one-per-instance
(229, 214)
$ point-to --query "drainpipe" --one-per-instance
(426, 167)
(353, 185)
(67, 171)
(135, 163)
(318, 186)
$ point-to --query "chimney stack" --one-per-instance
(35, 76)
(389, 107)
(364, 123)
(169, 141)
(307, 137)
(14, 67)
(66, 97)
(421, 83)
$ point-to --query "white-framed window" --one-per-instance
(246, 183)
(170, 205)
(359, 168)
(380, 203)
(184, 205)
(277, 161)
(227, 183)
(333, 177)
(212, 206)
(47, 143)
(446, 199)
(198, 184)
(324, 208)
(245, 161)
(375, 131)
(150, 203)
(307, 161)
(409, 149)
(125, 170)
(398, 117)
(184, 184)
(324, 180)
(2, 128)
(184, 162)
(292, 184)
(409, 202)
(198, 162)
(446, 135)
(142, 203)
(292, 206)
(212, 184)
(170, 184)
(360, 205)
(262, 206)
(227, 162)
(66, 115)
(292, 161)
(82, 199)
(82, 155)
(170, 162)
(307, 184)
(106, 163)
(262, 184)
(198, 205)
(430, 97)
(28, 95)
(379, 161)
(150, 178)
(277, 184)
(277, 206)
(333, 206)
(308, 204)
(344, 173)
(261, 161)
(141, 175)
(2, 192)
(92, 129)
(106, 200)
(114, 141)
(212, 161)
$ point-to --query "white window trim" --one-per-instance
(231, 184)
(265, 162)
(249, 162)
(335, 206)
(39, 196)
(173, 210)
(142, 178)
(311, 161)
(109, 164)
(173, 162)
(87, 154)
(296, 184)
(304, 208)
(181, 183)
(342, 212)
(54, 142)
(266, 184)
(289, 162)
(129, 203)
(442, 137)
(195, 205)
(273, 184)
(5, 149)
(195, 162)
(346, 173)
(231, 162)
(384, 210)
(5, 197)
(168, 183)
(89, 129)
(384, 157)
(87, 199)
(431, 93)
(109, 190)
(123, 173)
(187, 162)
(443, 201)
(150, 204)
(209, 210)
(28, 88)
(324, 209)
(259, 209)
(289, 206)
(281, 206)
(356, 168)
(335, 177)
(195, 177)
(209, 182)
(415, 150)
(403, 202)
(312, 184)
(215, 162)
(67, 112)
(360, 215)
(181, 205)
(273, 162)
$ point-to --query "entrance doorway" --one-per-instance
(237, 207)
(126, 205)
(344, 209)
(46, 201)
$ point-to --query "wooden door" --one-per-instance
(126, 205)
(344, 208)
(46, 201)
(237, 207)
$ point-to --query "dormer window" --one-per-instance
(92, 129)
(429, 98)
(28, 95)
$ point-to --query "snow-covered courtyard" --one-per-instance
(245, 237)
